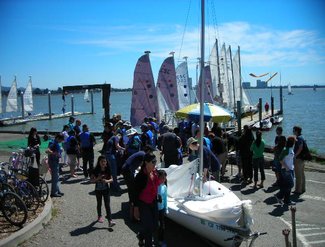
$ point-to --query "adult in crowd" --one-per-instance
(245, 142)
(210, 161)
(106, 135)
(128, 171)
(257, 148)
(146, 136)
(170, 144)
(87, 142)
(299, 161)
(145, 205)
(77, 128)
(65, 133)
(279, 145)
(72, 150)
(71, 123)
(54, 154)
(134, 142)
(112, 147)
(33, 144)
(219, 148)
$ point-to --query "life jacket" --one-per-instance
(85, 140)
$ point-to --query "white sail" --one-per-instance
(0, 96)
(226, 97)
(289, 89)
(239, 91)
(184, 97)
(86, 95)
(232, 102)
(162, 105)
(28, 97)
(214, 63)
(12, 105)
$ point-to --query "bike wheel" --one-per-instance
(43, 190)
(13, 209)
(5, 187)
(29, 195)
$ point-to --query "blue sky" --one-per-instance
(67, 42)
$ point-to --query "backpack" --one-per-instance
(305, 153)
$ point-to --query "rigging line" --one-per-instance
(214, 18)
(188, 11)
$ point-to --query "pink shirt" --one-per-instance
(149, 193)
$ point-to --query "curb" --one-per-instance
(29, 230)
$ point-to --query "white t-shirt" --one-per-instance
(288, 160)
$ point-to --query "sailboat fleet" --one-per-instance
(174, 90)
(12, 99)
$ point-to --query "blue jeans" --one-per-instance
(113, 164)
(286, 184)
(54, 165)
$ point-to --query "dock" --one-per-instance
(38, 117)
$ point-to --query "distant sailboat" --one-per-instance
(86, 95)
(144, 95)
(289, 89)
(208, 98)
(28, 97)
(12, 105)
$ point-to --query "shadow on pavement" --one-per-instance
(87, 229)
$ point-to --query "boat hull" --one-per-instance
(211, 230)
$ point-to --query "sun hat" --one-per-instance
(190, 141)
(131, 131)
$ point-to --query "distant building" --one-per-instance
(261, 84)
(246, 85)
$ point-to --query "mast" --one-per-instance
(232, 78)
(187, 77)
(240, 79)
(218, 68)
(202, 97)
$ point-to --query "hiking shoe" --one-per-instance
(111, 223)
(100, 219)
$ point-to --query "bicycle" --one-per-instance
(13, 208)
(25, 190)
(20, 159)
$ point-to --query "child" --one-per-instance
(287, 173)
(162, 205)
(102, 177)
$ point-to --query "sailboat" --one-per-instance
(209, 209)
(289, 89)
(144, 96)
(86, 95)
(183, 84)
(28, 97)
(12, 105)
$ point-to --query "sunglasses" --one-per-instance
(154, 161)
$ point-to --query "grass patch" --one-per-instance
(14, 145)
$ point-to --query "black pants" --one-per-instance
(87, 157)
(149, 221)
(103, 194)
(37, 156)
(129, 181)
(258, 164)
(161, 229)
(247, 167)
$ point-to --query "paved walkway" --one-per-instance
(74, 221)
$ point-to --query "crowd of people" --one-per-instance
(127, 152)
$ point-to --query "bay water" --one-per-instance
(305, 108)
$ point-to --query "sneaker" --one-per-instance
(280, 201)
(80, 169)
(141, 240)
(111, 223)
(100, 219)
(61, 193)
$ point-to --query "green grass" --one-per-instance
(14, 145)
